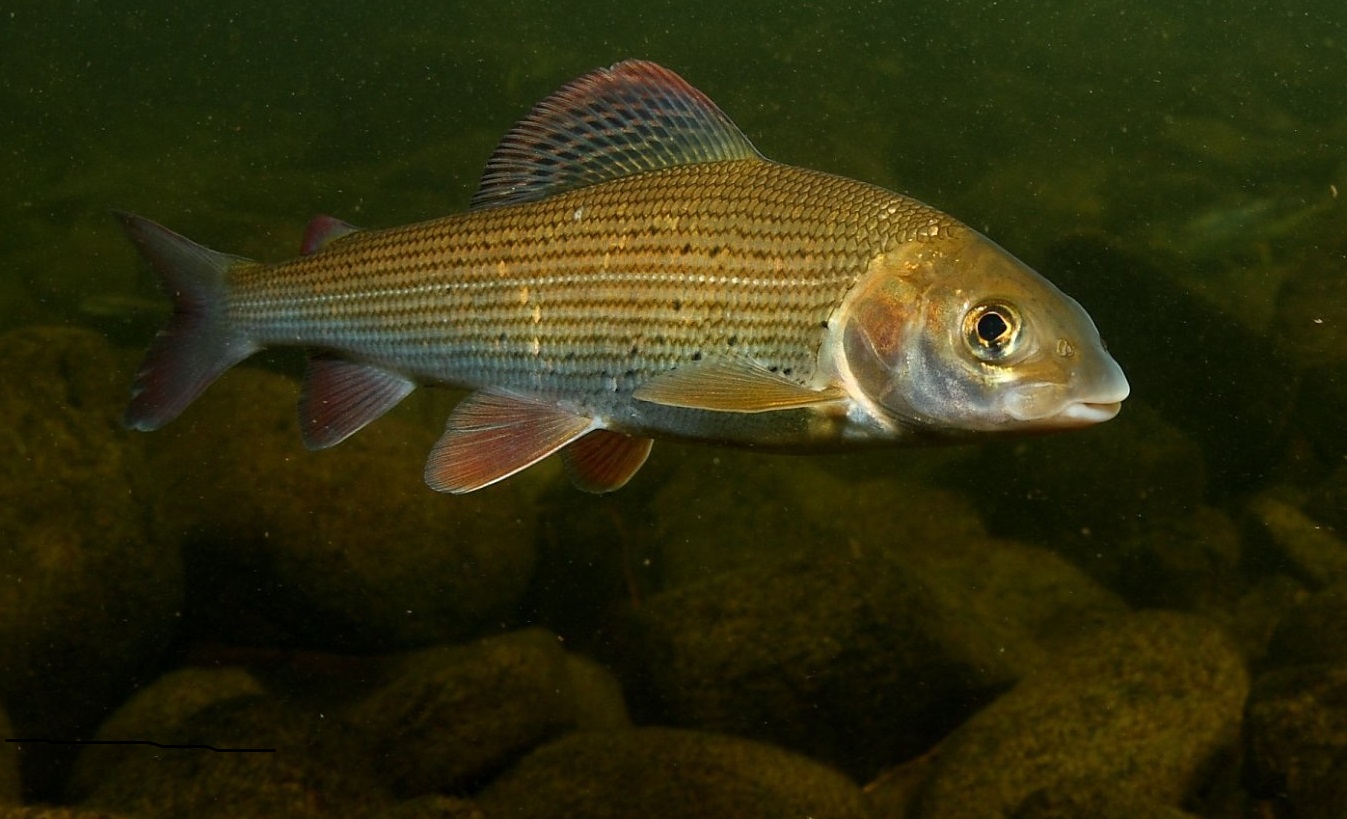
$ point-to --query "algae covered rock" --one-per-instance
(11, 788)
(1148, 703)
(861, 658)
(90, 596)
(1313, 632)
(664, 773)
(343, 549)
(449, 717)
(288, 763)
(164, 708)
(1310, 550)
(433, 807)
(1298, 739)
(57, 812)
(1096, 800)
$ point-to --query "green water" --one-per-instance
(1178, 167)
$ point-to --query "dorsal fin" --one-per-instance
(612, 122)
(321, 231)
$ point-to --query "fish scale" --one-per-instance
(632, 268)
(752, 252)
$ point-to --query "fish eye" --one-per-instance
(991, 330)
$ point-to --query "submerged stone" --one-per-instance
(90, 594)
(448, 718)
(863, 657)
(1298, 739)
(1149, 703)
(314, 767)
(664, 773)
(165, 707)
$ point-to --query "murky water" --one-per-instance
(1178, 168)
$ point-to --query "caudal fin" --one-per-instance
(198, 344)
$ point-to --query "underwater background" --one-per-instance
(1147, 618)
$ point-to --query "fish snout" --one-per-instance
(1084, 403)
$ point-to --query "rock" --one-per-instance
(664, 773)
(54, 812)
(596, 695)
(893, 793)
(1313, 632)
(1306, 547)
(90, 596)
(343, 549)
(1147, 704)
(450, 717)
(315, 768)
(1297, 740)
(861, 658)
(11, 786)
(1094, 799)
(165, 707)
(433, 807)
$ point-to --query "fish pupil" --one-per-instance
(992, 328)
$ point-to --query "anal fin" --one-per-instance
(490, 436)
(340, 397)
(604, 460)
(732, 385)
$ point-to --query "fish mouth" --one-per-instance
(1038, 407)
(1087, 413)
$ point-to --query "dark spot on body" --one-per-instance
(733, 340)
(773, 368)
(787, 371)
(677, 305)
(697, 356)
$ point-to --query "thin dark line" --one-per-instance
(146, 742)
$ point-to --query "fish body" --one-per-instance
(633, 269)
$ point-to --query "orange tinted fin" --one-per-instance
(341, 396)
(199, 343)
(491, 436)
(612, 122)
(322, 230)
(736, 385)
(604, 461)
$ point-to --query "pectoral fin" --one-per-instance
(735, 385)
(491, 436)
(603, 460)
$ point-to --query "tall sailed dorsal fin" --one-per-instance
(612, 122)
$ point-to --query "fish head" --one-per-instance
(952, 335)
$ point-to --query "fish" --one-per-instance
(632, 268)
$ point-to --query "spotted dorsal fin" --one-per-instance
(612, 122)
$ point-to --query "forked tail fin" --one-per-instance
(198, 343)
